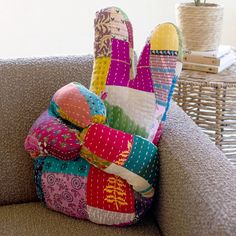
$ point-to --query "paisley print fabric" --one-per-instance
(103, 34)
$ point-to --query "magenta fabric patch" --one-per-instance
(143, 80)
(118, 74)
(120, 50)
(48, 136)
(66, 193)
(120, 64)
(144, 59)
(158, 135)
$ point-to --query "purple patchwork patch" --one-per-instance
(65, 193)
(141, 206)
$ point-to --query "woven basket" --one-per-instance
(201, 25)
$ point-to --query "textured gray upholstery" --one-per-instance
(33, 219)
(197, 182)
(197, 194)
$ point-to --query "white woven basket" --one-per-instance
(201, 25)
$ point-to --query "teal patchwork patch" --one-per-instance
(38, 166)
(143, 159)
(95, 103)
(76, 167)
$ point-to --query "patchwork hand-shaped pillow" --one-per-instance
(90, 159)
(137, 98)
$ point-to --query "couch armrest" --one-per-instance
(26, 87)
(197, 194)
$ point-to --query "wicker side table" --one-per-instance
(210, 100)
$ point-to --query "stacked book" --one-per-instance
(209, 61)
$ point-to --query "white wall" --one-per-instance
(62, 27)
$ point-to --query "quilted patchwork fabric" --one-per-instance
(90, 172)
(57, 131)
(78, 105)
(50, 136)
(80, 190)
(65, 193)
(138, 96)
(94, 150)
(128, 156)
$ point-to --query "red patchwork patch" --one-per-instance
(110, 144)
(109, 192)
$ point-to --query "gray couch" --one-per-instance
(197, 191)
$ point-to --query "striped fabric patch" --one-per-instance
(163, 71)
(164, 52)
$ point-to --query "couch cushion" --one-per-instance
(34, 219)
(26, 87)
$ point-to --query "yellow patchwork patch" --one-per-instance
(160, 38)
(98, 119)
(123, 156)
(100, 73)
(115, 192)
(93, 159)
(81, 136)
